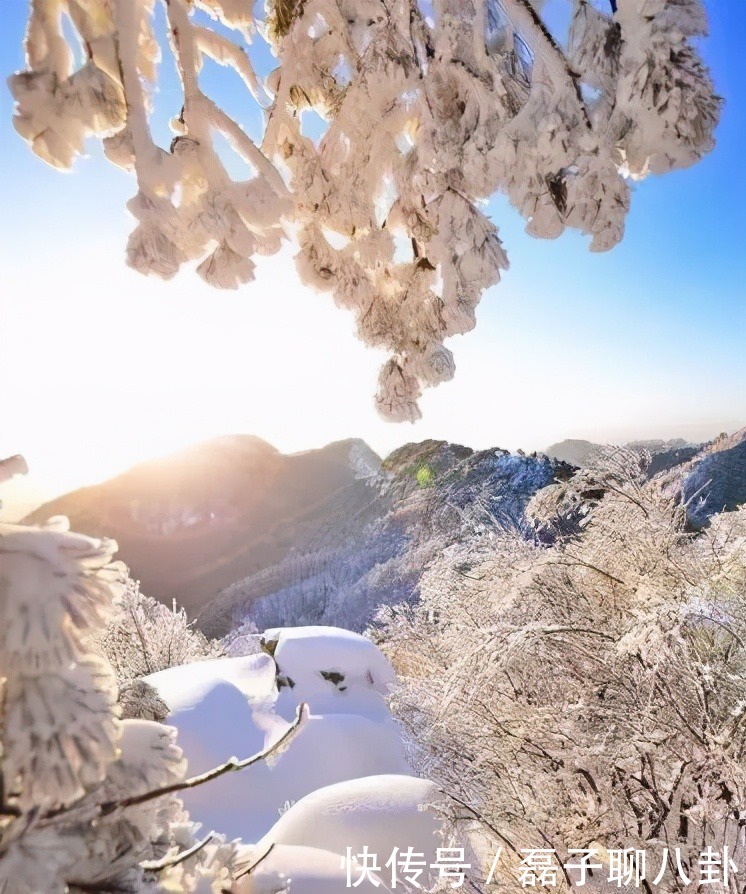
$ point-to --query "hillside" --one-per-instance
(427, 497)
(715, 480)
(432, 497)
(241, 534)
(193, 523)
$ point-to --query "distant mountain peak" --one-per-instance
(191, 523)
(582, 453)
(335, 531)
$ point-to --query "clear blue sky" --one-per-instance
(647, 339)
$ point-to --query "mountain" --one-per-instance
(715, 480)
(242, 534)
(712, 476)
(195, 522)
(574, 451)
(233, 524)
(433, 497)
(429, 497)
(664, 454)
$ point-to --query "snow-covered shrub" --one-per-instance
(430, 108)
(242, 640)
(86, 799)
(144, 636)
(139, 700)
(588, 694)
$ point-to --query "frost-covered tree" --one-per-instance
(87, 800)
(144, 636)
(589, 694)
(431, 106)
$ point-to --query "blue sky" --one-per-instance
(100, 367)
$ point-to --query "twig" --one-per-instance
(231, 765)
(158, 865)
(485, 822)
(225, 52)
(249, 869)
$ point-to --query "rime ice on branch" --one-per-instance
(86, 799)
(431, 107)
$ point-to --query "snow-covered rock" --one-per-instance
(333, 671)
(232, 707)
(301, 650)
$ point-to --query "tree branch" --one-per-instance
(230, 766)
(158, 865)
(106, 808)
(534, 32)
(252, 866)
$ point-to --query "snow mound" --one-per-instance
(230, 707)
(380, 812)
(300, 870)
(334, 671)
(246, 804)
(186, 686)
(222, 724)
(334, 748)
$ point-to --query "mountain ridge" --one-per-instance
(189, 524)
(233, 529)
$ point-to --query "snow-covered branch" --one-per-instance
(429, 111)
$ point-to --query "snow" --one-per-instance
(336, 747)
(311, 839)
(380, 812)
(232, 707)
(308, 871)
(185, 687)
(304, 654)
(301, 650)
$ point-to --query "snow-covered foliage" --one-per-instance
(144, 636)
(12, 466)
(587, 694)
(430, 108)
(138, 700)
(86, 799)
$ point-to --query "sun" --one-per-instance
(108, 368)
